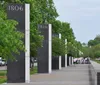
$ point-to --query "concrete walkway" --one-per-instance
(3, 68)
(73, 75)
(96, 66)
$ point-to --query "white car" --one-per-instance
(3, 63)
(0, 63)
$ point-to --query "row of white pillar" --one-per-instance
(70, 61)
(65, 56)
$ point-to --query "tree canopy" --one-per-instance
(95, 41)
(42, 12)
(93, 48)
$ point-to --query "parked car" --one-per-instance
(2, 62)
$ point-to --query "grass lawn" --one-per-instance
(98, 61)
(3, 78)
(33, 70)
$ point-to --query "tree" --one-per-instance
(56, 25)
(95, 41)
(96, 51)
(42, 11)
(67, 33)
(97, 54)
(58, 47)
(94, 46)
(86, 51)
(10, 39)
(92, 43)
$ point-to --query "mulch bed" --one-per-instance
(3, 77)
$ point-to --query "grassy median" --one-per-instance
(3, 76)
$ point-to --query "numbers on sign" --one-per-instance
(43, 26)
(15, 8)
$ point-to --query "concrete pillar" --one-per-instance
(65, 54)
(69, 60)
(59, 56)
(65, 60)
(72, 60)
(59, 62)
(50, 49)
(27, 43)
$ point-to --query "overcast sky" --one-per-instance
(83, 15)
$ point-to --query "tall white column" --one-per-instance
(59, 62)
(69, 60)
(72, 60)
(27, 43)
(59, 56)
(65, 60)
(50, 48)
(65, 54)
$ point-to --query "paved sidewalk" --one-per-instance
(73, 75)
(96, 66)
(3, 67)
